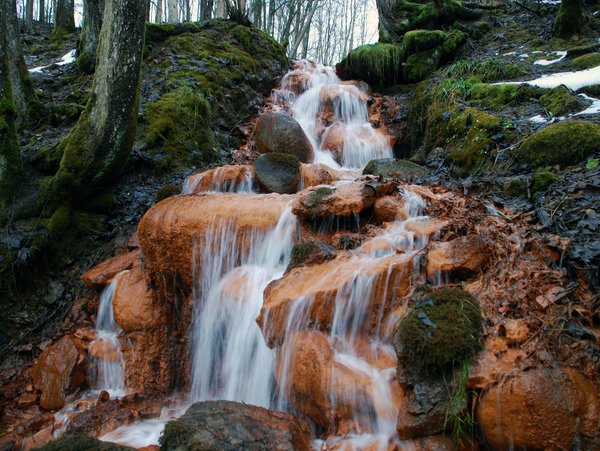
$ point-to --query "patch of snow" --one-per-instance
(524, 55)
(68, 58)
(594, 108)
(572, 80)
(509, 54)
(539, 119)
(561, 55)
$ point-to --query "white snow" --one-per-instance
(572, 80)
(524, 55)
(67, 58)
(594, 108)
(561, 55)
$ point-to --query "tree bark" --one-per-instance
(97, 149)
(29, 13)
(10, 155)
(159, 11)
(93, 10)
(569, 19)
(27, 106)
(41, 11)
(172, 11)
(64, 17)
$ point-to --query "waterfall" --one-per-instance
(324, 103)
(106, 349)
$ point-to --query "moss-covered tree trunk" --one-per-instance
(64, 18)
(10, 156)
(27, 105)
(93, 11)
(569, 19)
(97, 149)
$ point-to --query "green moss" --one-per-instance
(176, 435)
(380, 65)
(440, 332)
(564, 144)
(516, 187)
(494, 97)
(542, 179)
(314, 199)
(179, 126)
(593, 91)
(101, 203)
(420, 65)
(60, 222)
(313, 252)
(569, 20)
(398, 169)
(170, 189)
(11, 166)
(583, 50)
(586, 61)
(420, 40)
(560, 101)
(160, 32)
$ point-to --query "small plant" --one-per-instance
(459, 416)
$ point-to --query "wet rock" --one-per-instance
(169, 230)
(333, 141)
(318, 285)
(311, 253)
(401, 170)
(81, 442)
(103, 273)
(318, 174)
(55, 292)
(330, 393)
(540, 409)
(133, 303)
(458, 259)
(279, 132)
(435, 443)
(277, 172)
(516, 331)
(342, 199)
(224, 178)
(59, 370)
(389, 209)
(105, 417)
(227, 425)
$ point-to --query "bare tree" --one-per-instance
(93, 11)
(64, 17)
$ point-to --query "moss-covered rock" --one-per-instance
(379, 64)
(419, 40)
(11, 166)
(179, 128)
(81, 443)
(311, 253)
(586, 61)
(583, 50)
(440, 332)
(486, 71)
(494, 97)
(515, 186)
(542, 179)
(560, 101)
(170, 189)
(564, 144)
(277, 172)
(402, 170)
(593, 90)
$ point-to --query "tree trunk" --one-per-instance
(41, 11)
(159, 11)
(97, 149)
(93, 10)
(10, 155)
(569, 19)
(29, 13)
(64, 17)
(172, 11)
(27, 106)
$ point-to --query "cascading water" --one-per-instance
(323, 105)
(106, 349)
(230, 357)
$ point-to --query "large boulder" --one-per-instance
(341, 199)
(277, 172)
(60, 370)
(330, 393)
(318, 286)
(171, 229)
(540, 409)
(228, 425)
(279, 132)
(318, 174)
(401, 170)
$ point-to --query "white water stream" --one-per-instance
(230, 357)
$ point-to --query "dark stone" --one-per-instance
(228, 425)
(80, 443)
(402, 170)
(313, 252)
(279, 132)
(277, 172)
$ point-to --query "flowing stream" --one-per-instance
(230, 356)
